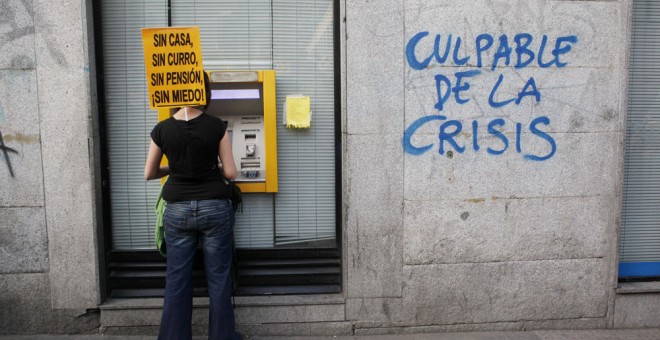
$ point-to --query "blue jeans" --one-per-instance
(185, 223)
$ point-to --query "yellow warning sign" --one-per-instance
(173, 60)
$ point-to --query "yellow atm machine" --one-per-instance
(246, 101)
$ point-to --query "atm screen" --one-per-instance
(236, 99)
(235, 94)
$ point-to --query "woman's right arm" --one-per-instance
(152, 168)
(227, 158)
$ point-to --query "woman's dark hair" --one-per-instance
(207, 88)
(207, 93)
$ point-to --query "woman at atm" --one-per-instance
(198, 209)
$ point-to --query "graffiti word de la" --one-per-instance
(520, 51)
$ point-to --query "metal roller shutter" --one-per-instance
(639, 246)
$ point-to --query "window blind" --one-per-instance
(639, 245)
(293, 37)
(235, 35)
(129, 119)
(303, 57)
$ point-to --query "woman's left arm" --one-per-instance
(152, 169)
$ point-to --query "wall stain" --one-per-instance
(476, 200)
(13, 18)
(22, 138)
(577, 123)
(608, 115)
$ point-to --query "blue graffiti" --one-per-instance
(407, 135)
(457, 89)
(449, 129)
(520, 52)
(448, 137)
(548, 138)
(523, 53)
(417, 65)
(444, 89)
(497, 133)
(529, 89)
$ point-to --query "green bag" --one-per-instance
(160, 231)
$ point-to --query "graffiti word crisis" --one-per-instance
(519, 51)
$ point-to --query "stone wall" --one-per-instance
(481, 196)
(48, 261)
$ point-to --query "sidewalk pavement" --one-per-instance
(597, 334)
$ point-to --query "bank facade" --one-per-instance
(469, 166)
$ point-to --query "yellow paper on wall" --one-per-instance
(298, 112)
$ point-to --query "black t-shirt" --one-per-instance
(193, 157)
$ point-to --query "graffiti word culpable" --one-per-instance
(5, 150)
(520, 51)
(525, 54)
